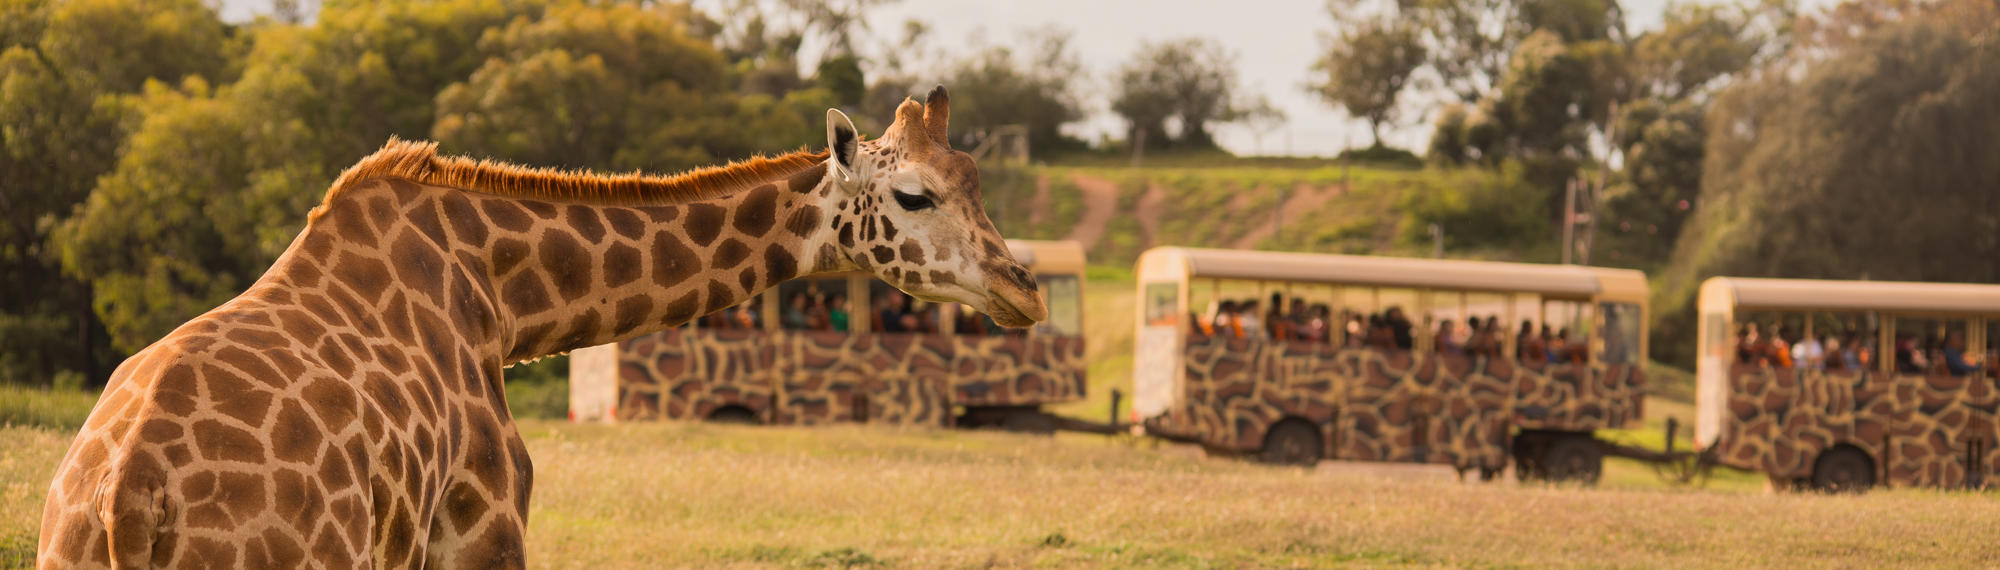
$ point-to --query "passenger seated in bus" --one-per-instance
(1248, 324)
(1746, 344)
(1527, 346)
(1558, 349)
(1275, 326)
(793, 316)
(1909, 360)
(1447, 339)
(1356, 329)
(1220, 313)
(894, 313)
(836, 312)
(1319, 323)
(1399, 328)
(1810, 353)
(1954, 355)
(1779, 351)
(1846, 355)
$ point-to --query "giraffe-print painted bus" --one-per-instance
(848, 347)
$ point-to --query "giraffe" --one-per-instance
(347, 409)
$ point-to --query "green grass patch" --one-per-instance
(62, 409)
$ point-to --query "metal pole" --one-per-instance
(1569, 220)
(1437, 241)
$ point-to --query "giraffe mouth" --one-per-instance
(1024, 311)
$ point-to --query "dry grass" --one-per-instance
(673, 495)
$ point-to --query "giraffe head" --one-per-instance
(909, 210)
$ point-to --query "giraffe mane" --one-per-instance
(419, 162)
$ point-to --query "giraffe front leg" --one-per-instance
(482, 517)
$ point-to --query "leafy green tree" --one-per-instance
(1365, 69)
(999, 86)
(63, 69)
(1190, 81)
(1870, 157)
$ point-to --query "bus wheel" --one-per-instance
(1575, 458)
(1843, 470)
(1291, 442)
(734, 415)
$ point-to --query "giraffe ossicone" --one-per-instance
(347, 410)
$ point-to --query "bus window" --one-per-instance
(1162, 303)
(897, 312)
(1934, 346)
(1064, 296)
(1393, 323)
(1486, 323)
(1526, 329)
(1449, 329)
(813, 304)
(1566, 328)
(1620, 335)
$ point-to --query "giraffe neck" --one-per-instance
(522, 278)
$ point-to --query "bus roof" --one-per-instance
(1048, 256)
(1552, 280)
(1741, 293)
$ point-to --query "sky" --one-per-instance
(1274, 43)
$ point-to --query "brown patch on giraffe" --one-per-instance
(803, 220)
(888, 229)
(672, 261)
(847, 234)
(350, 223)
(685, 309)
(506, 215)
(828, 258)
(718, 297)
(660, 214)
(883, 254)
(632, 313)
(543, 210)
(364, 275)
(626, 222)
(943, 277)
(748, 279)
(234, 396)
(622, 265)
(806, 180)
(419, 267)
(218, 441)
(396, 318)
(530, 339)
(464, 218)
(942, 254)
(525, 294)
(294, 436)
(252, 365)
(567, 263)
(585, 221)
(758, 211)
(779, 265)
(583, 329)
(508, 253)
(731, 252)
(704, 223)
(424, 216)
(912, 251)
(305, 274)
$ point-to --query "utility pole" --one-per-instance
(1569, 220)
(1437, 241)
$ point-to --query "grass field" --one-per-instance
(675, 495)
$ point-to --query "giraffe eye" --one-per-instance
(914, 202)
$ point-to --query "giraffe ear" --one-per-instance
(842, 144)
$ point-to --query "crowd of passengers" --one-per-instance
(1849, 352)
(894, 312)
(1387, 330)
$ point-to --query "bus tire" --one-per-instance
(1291, 442)
(1843, 469)
(734, 415)
(1573, 459)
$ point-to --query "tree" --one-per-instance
(1869, 158)
(1366, 68)
(64, 67)
(1191, 81)
(1035, 87)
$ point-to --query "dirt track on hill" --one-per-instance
(1100, 202)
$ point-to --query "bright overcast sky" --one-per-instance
(1274, 41)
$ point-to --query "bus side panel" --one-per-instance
(839, 377)
(1918, 429)
(1237, 388)
(1448, 409)
(688, 374)
(1578, 397)
(1014, 370)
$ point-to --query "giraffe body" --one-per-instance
(347, 410)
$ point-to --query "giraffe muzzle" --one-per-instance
(1015, 301)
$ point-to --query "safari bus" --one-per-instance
(1295, 357)
(1846, 385)
(846, 347)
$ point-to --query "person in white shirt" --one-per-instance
(1809, 354)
